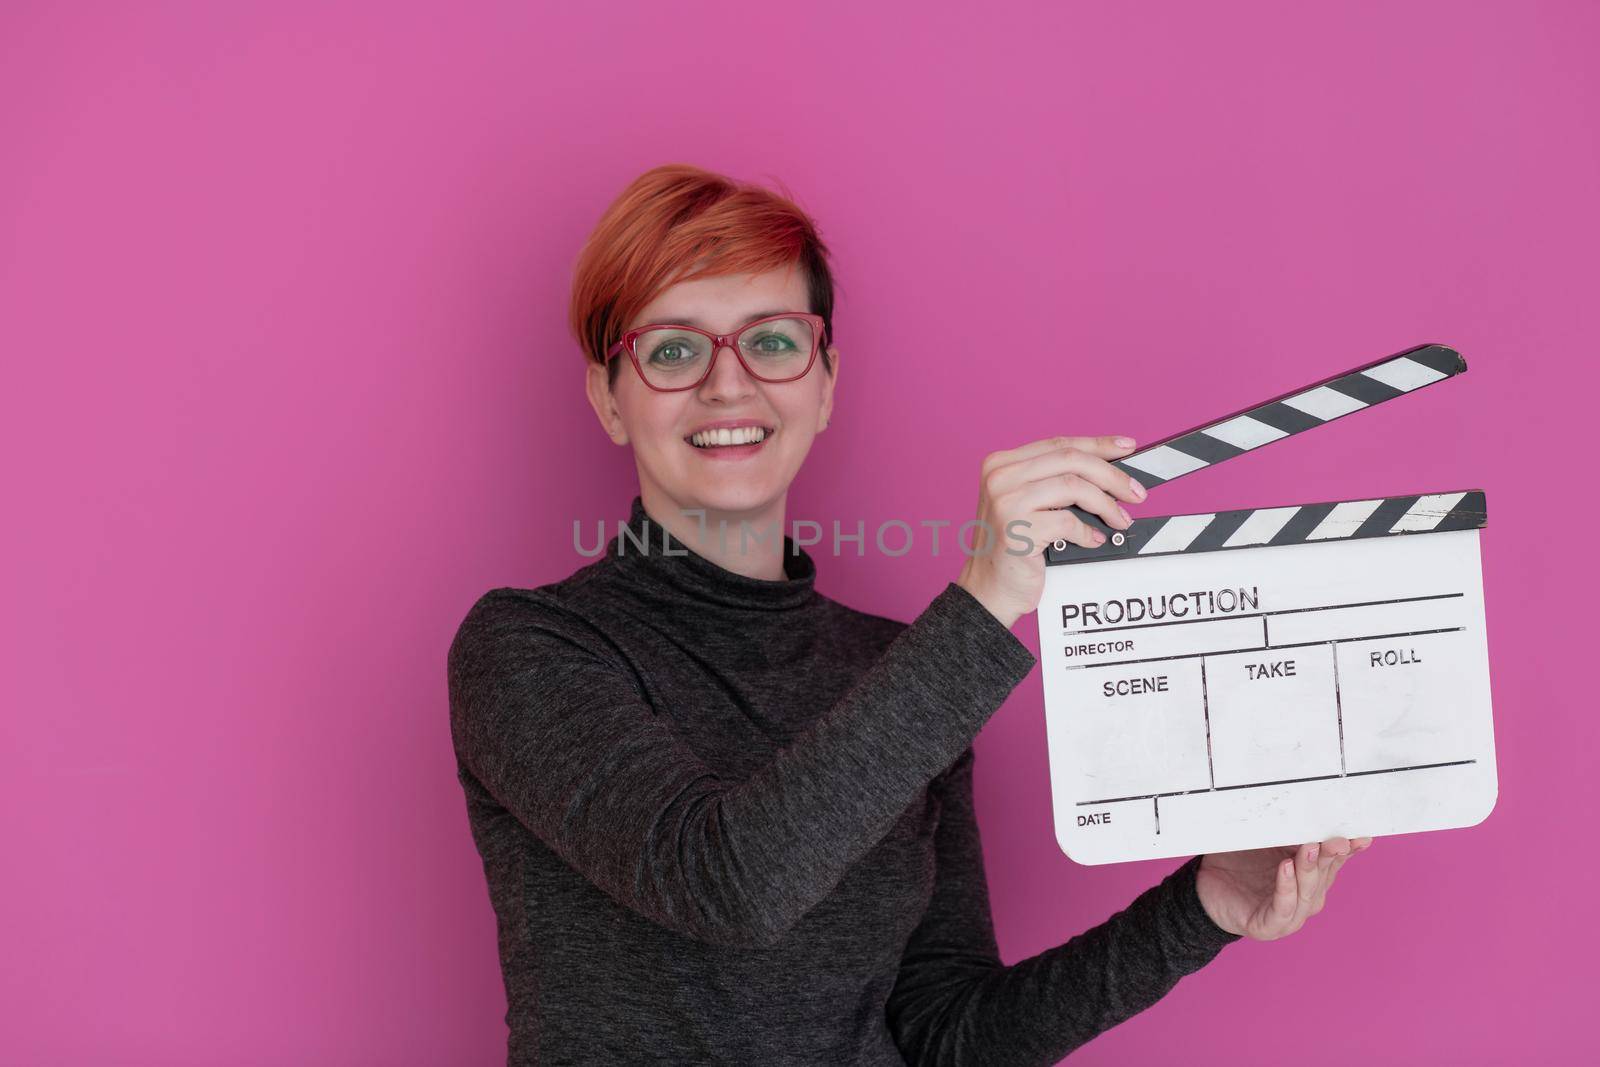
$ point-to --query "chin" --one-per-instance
(732, 498)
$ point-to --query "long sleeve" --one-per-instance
(553, 725)
(954, 1002)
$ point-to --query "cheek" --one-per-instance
(801, 411)
(652, 420)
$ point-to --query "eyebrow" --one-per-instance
(696, 325)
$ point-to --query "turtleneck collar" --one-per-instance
(705, 580)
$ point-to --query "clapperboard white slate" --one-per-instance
(1270, 676)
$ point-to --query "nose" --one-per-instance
(728, 380)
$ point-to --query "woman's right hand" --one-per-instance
(1033, 483)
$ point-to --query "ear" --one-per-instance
(597, 385)
(828, 382)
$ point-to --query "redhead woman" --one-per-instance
(726, 819)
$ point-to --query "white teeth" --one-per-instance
(742, 435)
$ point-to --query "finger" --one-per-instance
(1308, 875)
(1285, 893)
(1048, 526)
(1332, 849)
(1066, 489)
(1333, 872)
(1068, 461)
(1327, 880)
(1361, 844)
(1105, 446)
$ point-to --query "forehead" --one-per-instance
(725, 303)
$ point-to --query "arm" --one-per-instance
(555, 729)
(954, 1002)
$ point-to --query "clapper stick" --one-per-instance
(1272, 420)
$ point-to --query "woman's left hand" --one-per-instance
(1268, 893)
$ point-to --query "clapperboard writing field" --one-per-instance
(1270, 676)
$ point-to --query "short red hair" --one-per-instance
(678, 214)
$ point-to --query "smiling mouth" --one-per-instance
(742, 435)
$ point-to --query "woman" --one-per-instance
(725, 818)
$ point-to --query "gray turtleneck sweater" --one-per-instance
(730, 820)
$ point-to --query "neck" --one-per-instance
(716, 534)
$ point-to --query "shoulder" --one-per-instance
(531, 655)
(557, 609)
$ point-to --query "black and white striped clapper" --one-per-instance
(1273, 420)
(1270, 676)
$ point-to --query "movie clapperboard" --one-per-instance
(1270, 676)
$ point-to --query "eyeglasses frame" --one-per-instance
(718, 342)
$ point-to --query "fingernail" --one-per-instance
(1125, 442)
(1125, 516)
(1314, 850)
(1138, 490)
(1099, 538)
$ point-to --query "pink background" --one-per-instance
(287, 385)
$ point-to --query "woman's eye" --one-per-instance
(780, 343)
(660, 355)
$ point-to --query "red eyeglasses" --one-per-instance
(778, 348)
